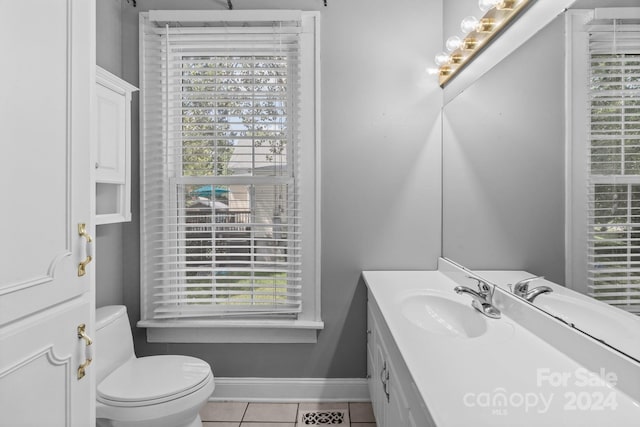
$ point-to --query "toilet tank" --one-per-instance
(113, 340)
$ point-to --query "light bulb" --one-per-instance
(432, 71)
(486, 5)
(453, 43)
(469, 24)
(442, 59)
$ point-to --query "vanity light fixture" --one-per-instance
(477, 34)
(442, 59)
(486, 25)
(469, 43)
(469, 24)
(453, 43)
(507, 5)
(486, 5)
(457, 58)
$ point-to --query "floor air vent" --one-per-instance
(325, 417)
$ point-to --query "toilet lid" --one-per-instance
(153, 378)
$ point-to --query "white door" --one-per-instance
(46, 94)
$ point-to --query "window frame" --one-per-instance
(260, 330)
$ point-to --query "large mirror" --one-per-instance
(505, 164)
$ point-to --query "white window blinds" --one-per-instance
(221, 218)
(614, 167)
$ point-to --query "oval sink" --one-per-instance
(442, 315)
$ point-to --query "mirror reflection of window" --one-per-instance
(613, 184)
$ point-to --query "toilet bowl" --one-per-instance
(153, 391)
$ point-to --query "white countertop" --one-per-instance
(612, 325)
(505, 377)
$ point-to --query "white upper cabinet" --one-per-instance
(111, 139)
(112, 148)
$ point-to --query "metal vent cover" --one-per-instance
(325, 417)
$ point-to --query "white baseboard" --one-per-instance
(291, 390)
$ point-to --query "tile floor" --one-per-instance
(246, 414)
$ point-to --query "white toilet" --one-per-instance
(154, 391)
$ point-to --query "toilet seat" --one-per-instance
(152, 380)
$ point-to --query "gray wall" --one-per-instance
(503, 163)
(381, 185)
(109, 35)
(109, 240)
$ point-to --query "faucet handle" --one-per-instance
(483, 286)
(523, 285)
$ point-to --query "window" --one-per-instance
(614, 167)
(229, 169)
(612, 196)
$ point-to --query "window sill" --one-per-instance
(232, 331)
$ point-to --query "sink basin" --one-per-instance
(442, 315)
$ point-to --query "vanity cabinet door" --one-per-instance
(376, 370)
(395, 399)
(397, 406)
(387, 398)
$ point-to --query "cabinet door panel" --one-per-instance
(379, 397)
(395, 398)
(111, 136)
(398, 409)
(45, 110)
(38, 371)
(35, 217)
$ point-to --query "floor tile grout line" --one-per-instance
(246, 408)
(295, 422)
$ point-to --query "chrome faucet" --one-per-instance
(522, 290)
(482, 298)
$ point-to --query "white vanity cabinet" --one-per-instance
(419, 360)
(112, 148)
(394, 396)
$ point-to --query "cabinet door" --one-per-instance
(110, 150)
(376, 369)
(372, 367)
(44, 169)
(398, 408)
(38, 370)
(389, 379)
(379, 377)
